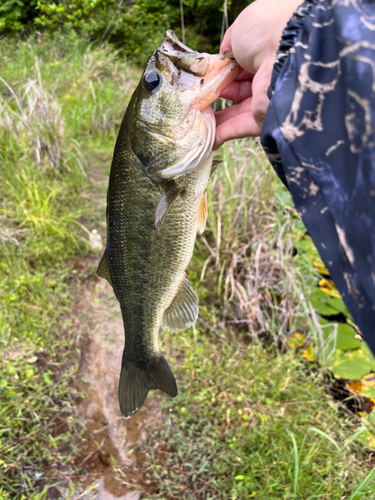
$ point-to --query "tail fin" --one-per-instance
(135, 383)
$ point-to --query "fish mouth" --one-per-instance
(215, 72)
(199, 78)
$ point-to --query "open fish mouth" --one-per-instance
(198, 78)
(212, 73)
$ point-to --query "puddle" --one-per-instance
(111, 453)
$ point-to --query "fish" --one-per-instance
(156, 205)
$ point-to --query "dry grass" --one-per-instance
(32, 122)
(250, 218)
(32, 118)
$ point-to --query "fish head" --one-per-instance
(172, 126)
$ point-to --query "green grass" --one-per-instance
(252, 419)
(43, 181)
(250, 422)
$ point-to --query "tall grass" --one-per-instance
(43, 174)
(31, 121)
(249, 248)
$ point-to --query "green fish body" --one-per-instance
(156, 203)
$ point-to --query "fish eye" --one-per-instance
(152, 80)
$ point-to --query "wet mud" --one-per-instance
(111, 456)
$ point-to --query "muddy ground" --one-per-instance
(111, 453)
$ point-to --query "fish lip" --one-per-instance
(191, 61)
(221, 72)
(182, 56)
(171, 39)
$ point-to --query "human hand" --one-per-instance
(254, 39)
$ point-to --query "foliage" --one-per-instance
(136, 27)
(247, 257)
(79, 14)
(338, 343)
(16, 14)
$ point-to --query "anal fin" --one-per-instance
(202, 213)
(103, 270)
(183, 311)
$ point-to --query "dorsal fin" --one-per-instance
(183, 311)
(202, 213)
(103, 270)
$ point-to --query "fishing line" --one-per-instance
(224, 24)
(182, 21)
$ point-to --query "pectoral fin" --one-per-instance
(215, 164)
(202, 213)
(183, 311)
(168, 196)
(103, 270)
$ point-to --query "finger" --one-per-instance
(245, 75)
(226, 44)
(228, 113)
(237, 91)
(260, 100)
(239, 126)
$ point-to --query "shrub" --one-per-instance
(136, 27)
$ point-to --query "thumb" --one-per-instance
(261, 82)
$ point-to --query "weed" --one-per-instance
(251, 423)
(31, 120)
(262, 289)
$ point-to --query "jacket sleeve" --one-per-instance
(319, 135)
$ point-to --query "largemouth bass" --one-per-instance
(156, 203)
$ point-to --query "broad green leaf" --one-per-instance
(368, 391)
(345, 338)
(365, 348)
(309, 353)
(350, 365)
(306, 246)
(297, 340)
(324, 304)
(337, 304)
(321, 307)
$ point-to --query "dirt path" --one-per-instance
(111, 454)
